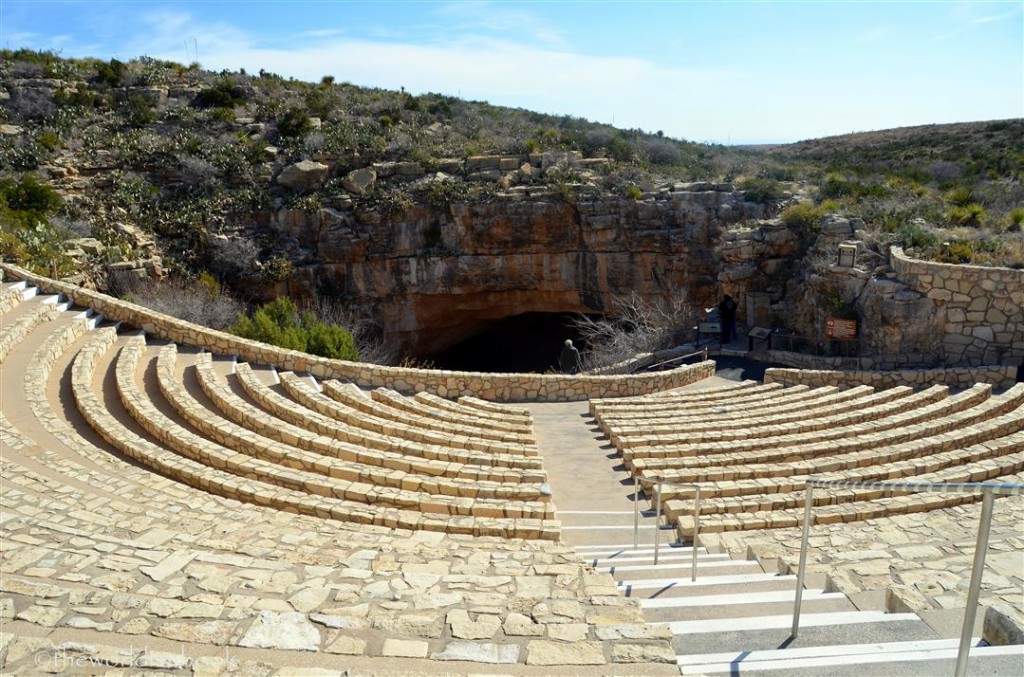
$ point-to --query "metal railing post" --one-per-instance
(808, 504)
(657, 524)
(696, 532)
(636, 512)
(974, 591)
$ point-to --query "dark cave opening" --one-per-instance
(526, 343)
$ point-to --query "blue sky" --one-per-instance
(725, 72)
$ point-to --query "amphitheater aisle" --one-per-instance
(591, 489)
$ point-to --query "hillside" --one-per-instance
(251, 182)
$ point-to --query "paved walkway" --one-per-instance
(591, 488)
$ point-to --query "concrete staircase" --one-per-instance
(736, 619)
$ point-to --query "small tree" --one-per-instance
(632, 327)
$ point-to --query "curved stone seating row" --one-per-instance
(348, 422)
(739, 423)
(508, 411)
(795, 428)
(987, 432)
(403, 454)
(427, 410)
(345, 406)
(343, 461)
(976, 463)
(780, 423)
(11, 333)
(213, 474)
(709, 398)
(478, 415)
(752, 471)
(11, 295)
(296, 470)
(357, 406)
(790, 399)
(943, 417)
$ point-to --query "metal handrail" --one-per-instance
(989, 491)
(702, 352)
(637, 482)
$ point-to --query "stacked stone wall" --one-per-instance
(981, 309)
(497, 387)
(1001, 377)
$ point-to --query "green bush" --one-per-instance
(281, 324)
(224, 94)
(961, 196)
(959, 251)
(761, 190)
(803, 216)
(634, 192)
(972, 215)
(28, 194)
(294, 123)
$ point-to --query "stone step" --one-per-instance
(704, 585)
(722, 626)
(664, 558)
(834, 655)
(734, 611)
(681, 568)
(750, 597)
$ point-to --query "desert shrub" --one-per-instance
(761, 190)
(961, 196)
(915, 236)
(280, 323)
(662, 151)
(634, 192)
(138, 111)
(27, 104)
(28, 194)
(224, 94)
(294, 123)
(1016, 220)
(958, 251)
(803, 216)
(633, 326)
(200, 300)
(836, 185)
(110, 73)
(972, 215)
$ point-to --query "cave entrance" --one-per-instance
(526, 343)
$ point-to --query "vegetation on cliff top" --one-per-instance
(147, 157)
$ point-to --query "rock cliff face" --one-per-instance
(438, 275)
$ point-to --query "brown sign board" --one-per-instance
(836, 328)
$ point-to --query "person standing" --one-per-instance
(569, 359)
(727, 316)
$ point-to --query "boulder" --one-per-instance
(358, 181)
(302, 176)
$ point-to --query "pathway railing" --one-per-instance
(703, 352)
(989, 491)
(638, 483)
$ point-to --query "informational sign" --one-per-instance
(710, 327)
(840, 329)
(759, 333)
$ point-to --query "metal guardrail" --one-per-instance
(989, 491)
(637, 482)
(703, 352)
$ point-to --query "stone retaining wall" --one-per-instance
(497, 387)
(981, 308)
(999, 377)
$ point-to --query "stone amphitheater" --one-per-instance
(180, 501)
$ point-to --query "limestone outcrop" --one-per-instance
(438, 275)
